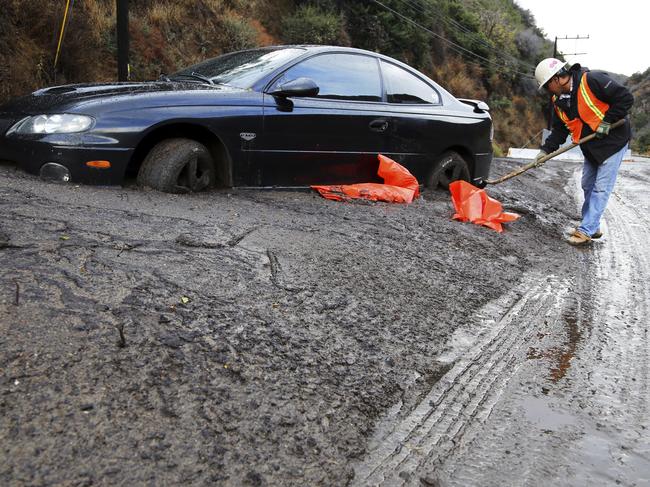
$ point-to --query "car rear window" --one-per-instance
(404, 87)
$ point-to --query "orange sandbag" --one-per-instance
(474, 205)
(400, 186)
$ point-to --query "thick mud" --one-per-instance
(243, 337)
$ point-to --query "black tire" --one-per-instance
(448, 168)
(178, 166)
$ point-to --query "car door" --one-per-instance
(419, 126)
(333, 137)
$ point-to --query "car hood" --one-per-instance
(64, 97)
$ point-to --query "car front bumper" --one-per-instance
(73, 151)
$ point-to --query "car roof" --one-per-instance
(315, 48)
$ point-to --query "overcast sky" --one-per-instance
(618, 30)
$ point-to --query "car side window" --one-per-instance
(340, 76)
(404, 87)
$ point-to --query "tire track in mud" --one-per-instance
(578, 412)
(467, 393)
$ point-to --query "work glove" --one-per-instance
(541, 154)
(602, 130)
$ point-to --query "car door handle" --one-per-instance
(379, 125)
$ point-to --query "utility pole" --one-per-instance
(122, 40)
(555, 54)
(579, 38)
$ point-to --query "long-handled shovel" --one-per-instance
(561, 150)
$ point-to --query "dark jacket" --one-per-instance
(619, 99)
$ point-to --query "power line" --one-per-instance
(461, 29)
(447, 20)
(455, 47)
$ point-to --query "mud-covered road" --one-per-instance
(555, 389)
(277, 338)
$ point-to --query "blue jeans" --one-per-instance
(597, 184)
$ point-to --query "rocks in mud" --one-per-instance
(429, 481)
(4, 240)
(176, 339)
(254, 479)
(190, 240)
(171, 340)
(288, 415)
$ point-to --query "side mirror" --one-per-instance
(296, 87)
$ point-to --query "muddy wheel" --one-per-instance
(178, 166)
(449, 167)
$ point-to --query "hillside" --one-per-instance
(639, 84)
(484, 49)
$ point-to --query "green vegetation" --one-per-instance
(484, 49)
(639, 84)
(312, 25)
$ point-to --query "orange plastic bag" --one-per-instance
(400, 186)
(474, 205)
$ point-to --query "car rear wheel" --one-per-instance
(448, 168)
(178, 166)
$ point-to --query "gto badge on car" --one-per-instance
(247, 136)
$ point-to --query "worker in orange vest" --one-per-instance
(586, 102)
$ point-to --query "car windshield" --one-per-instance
(241, 69)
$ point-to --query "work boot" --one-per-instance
(579, 238)
(596, 235)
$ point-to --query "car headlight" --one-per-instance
(60, 123)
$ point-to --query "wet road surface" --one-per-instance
(556, 391)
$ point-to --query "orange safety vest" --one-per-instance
(591, 111)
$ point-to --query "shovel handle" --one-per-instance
(542, 160)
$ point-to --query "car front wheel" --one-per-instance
(178, 166)
(448, 168)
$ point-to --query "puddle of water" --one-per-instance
(606, 460)
(539, 412)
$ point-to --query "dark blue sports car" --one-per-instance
(273, 116)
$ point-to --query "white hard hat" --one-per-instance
(546, 69)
